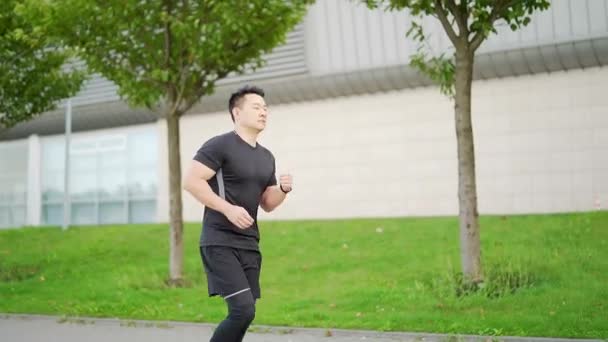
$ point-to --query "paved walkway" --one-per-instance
(33, 328)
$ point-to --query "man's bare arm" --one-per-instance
(273, 196)
(196, 183)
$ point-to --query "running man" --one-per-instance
(232, 175)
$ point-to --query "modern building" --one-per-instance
(363, 133)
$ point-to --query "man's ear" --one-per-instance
(236, 112)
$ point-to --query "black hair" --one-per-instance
(236, 97)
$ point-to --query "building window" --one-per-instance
(113, 178)
(13, 183)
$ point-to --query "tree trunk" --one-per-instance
(176, 253)
(470, 253)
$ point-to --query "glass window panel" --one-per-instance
(52, 170)
(13, 191)
(53, 153)
(83, 163)
(142, 183)
(112, 160)
(106, 168)
(52, 214)
(83, 146)
(142, 211)
(112, 212)
(112, 185)
(19, 216)
(14, 158)
(19, 193)
(5, 217)
(6, 196)
(52, 186)
(143, 149)
(83, 186)
(13, 182)
(83, 213)
(112, 143)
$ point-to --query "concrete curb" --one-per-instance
(325, 334)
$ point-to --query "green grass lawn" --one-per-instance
(382, 274)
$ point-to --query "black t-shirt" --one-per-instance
(246, 172)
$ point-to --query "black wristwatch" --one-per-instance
(281, 187)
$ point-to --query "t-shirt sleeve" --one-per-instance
(211, 154)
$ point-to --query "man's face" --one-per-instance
(252, 113)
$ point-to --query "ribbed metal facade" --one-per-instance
(343, 48)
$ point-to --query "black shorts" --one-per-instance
(231, 271)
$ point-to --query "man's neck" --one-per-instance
(250, 136)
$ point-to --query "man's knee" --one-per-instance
(243, 312)
(242, 307)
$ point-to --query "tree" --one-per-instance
(32, 75)
(467, 23)
(167, 54)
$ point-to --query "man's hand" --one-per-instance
(239, 217)
(286, 182)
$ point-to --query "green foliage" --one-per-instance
(502, 279)
(171, 53)
(32, 77)
(467, 23)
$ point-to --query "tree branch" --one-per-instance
(184, 63)
(441, 15)
(496, 11)
(168, 46)
(461, 18)
(464, 8)
(201, 88)
(477, 40)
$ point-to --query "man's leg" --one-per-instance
(241, 312)
(251, 261)
(244, 332)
